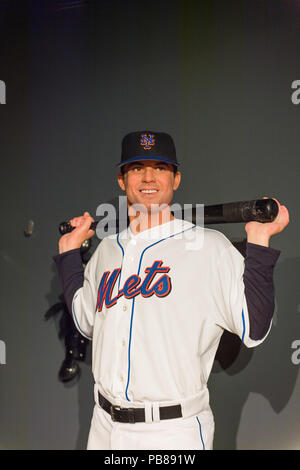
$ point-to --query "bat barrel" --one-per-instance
(258, 210)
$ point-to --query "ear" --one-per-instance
(177, 179)
(121, 181)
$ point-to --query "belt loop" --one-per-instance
(112, 413)
(96, 396)
(155, 412)
(148, 412)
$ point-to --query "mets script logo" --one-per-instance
(134, 285)
(147, 141)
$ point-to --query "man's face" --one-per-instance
(149, 182)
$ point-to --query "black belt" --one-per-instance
(136, 415)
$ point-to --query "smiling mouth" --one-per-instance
(148, 191)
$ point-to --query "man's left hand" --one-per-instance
(260, 233)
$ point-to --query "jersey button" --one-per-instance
(123, 342)
(124, 308)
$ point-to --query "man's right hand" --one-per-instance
(81, 232)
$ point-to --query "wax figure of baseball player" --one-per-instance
(155, 299)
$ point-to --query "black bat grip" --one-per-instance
(66, 227)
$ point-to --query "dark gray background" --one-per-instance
(80, 75)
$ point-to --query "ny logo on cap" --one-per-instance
(147, 141)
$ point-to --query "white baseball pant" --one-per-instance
(195, 432)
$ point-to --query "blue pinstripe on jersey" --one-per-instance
(78, 326)
(200, 429)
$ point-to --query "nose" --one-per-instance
(148, 174)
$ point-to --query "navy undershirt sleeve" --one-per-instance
(71, 273)
(259, 287)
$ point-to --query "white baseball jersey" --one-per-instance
(155, 305)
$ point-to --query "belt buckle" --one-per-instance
(119, 408)
(112, 412)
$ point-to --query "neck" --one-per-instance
(146, 220)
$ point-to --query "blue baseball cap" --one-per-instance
(148, 145)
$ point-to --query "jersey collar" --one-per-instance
(158, 232)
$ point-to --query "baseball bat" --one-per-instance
(257, 210)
